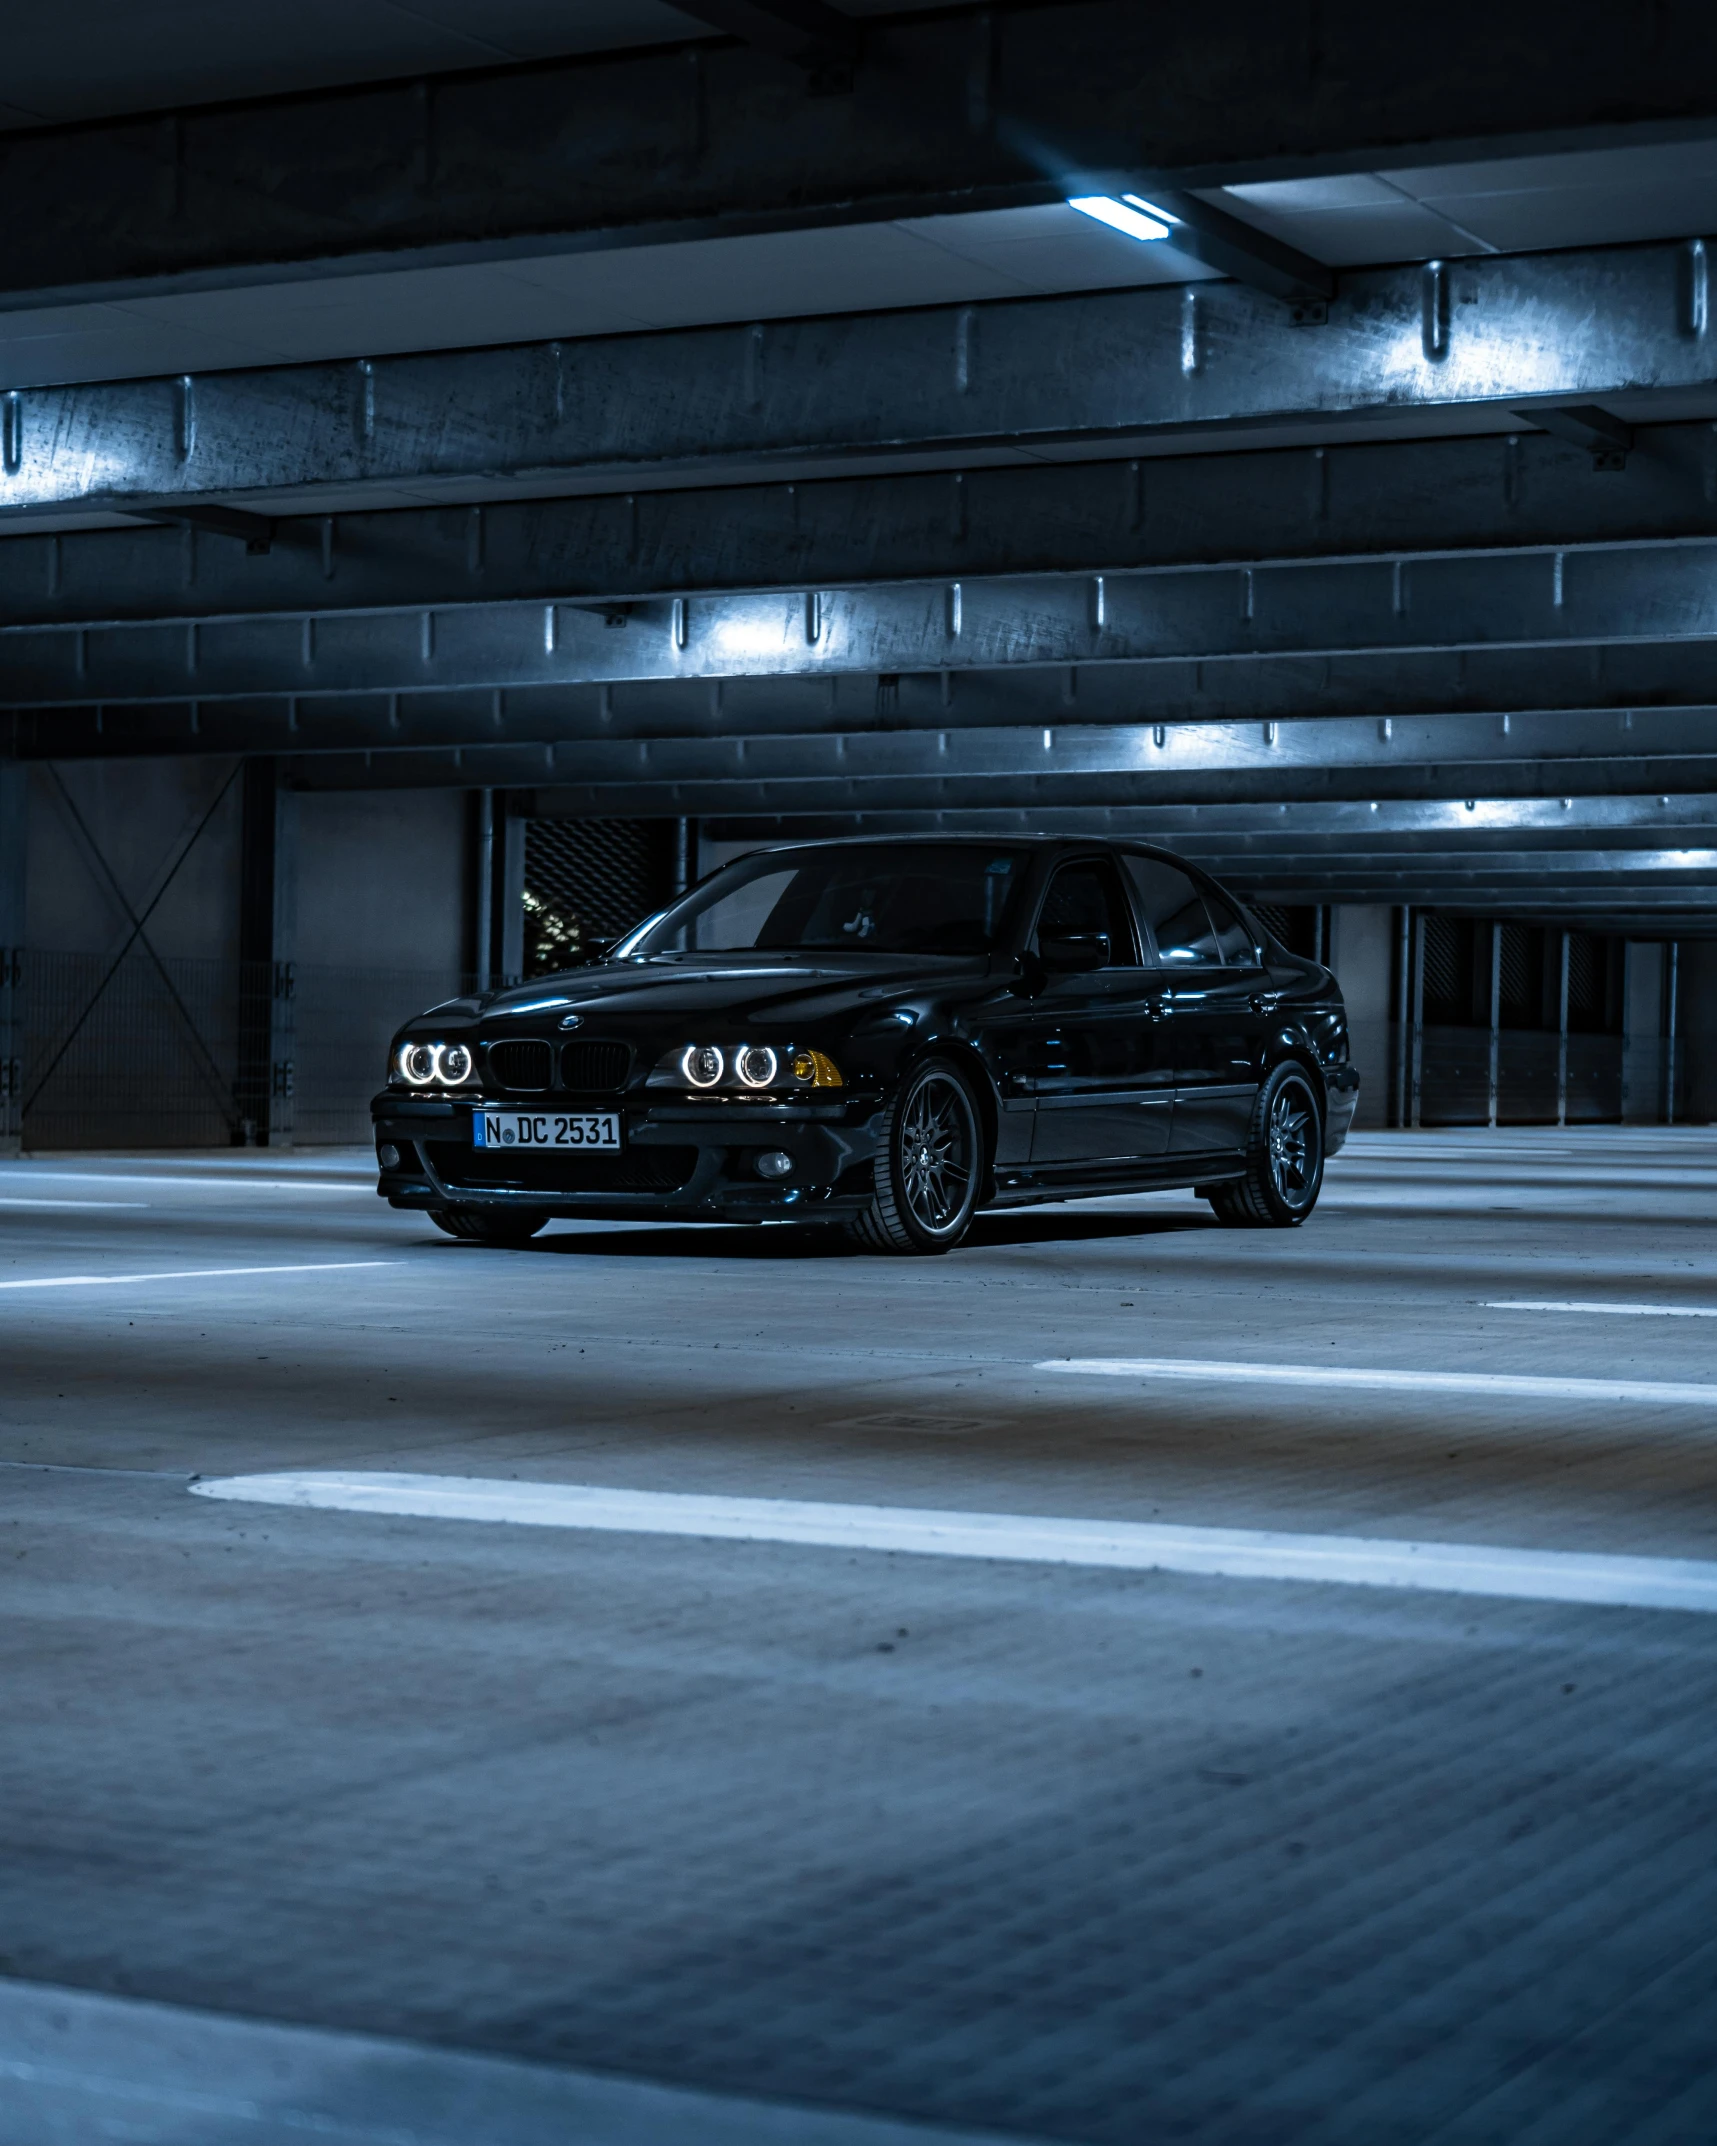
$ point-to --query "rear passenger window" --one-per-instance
(1173, 911)
(1238, 946)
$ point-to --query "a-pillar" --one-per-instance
(267, 948)
(14, 853)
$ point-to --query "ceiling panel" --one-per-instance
(82, 59)
(1516, 205)
(763, 276)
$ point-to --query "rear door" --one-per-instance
(1213, 1006)
(1105, 1094)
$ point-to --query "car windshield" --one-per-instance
(922, 898)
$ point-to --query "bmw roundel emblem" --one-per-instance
(573, 1020)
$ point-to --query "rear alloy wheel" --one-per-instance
(482, 1225)
(930, 1168)
(1284, 1158)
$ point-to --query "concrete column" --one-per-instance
(483, 922)
(1416, 1017)
(1495, 1073)
(1357, 950)
(1698, 1026)
(264, 1091)
(1562, 1029)
(511, 897)
(14, 857)
(1642, 1032)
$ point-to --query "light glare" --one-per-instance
(1138, 201)
(1120, 215)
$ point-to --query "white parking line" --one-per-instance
(1138, 1546)
(195, 1274)
(75, 2066)
(1626, 1311)
(214, 1181)
(105, 1205)
(1331, 1378)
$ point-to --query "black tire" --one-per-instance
(481, 1225)
(1284, 1158)
(931, 1167)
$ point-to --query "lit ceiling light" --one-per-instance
(1138, 219)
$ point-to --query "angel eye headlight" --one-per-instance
(702, 1064)
(454, 1063)
(756, 1065)
(416, 1063)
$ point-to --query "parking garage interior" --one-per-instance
(469, 472)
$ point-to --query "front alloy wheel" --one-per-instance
(931, 1167)
(1284, 1158)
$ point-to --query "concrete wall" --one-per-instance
(1361, 952)
(382, 879)
(139, 813)
(711, 855)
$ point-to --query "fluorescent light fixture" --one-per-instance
(1136, 218)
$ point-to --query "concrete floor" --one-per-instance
(1084, 1855)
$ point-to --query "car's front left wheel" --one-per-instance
(931, 1167)
(482, 1225)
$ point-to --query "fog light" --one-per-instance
(388, 1155)
(774, 1163)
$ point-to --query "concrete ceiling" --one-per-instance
(90, 59)
(1526, 204)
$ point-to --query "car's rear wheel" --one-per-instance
(931, 1166)
(1284, 1158)
(482, 1225)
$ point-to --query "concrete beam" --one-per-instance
(1342, 500)
(1450, 757)
(1621, 681)
(1473, 344)
(1636, 594)
(952, 111)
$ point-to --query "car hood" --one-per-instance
(750, 987)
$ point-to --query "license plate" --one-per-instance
(546, 1129)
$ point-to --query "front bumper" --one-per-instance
(690, 1161)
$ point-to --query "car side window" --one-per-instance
(1173, 912)
(1085, 903)
(1239, 948)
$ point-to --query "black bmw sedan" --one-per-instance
(886, 1035)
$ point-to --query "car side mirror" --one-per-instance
(1073, 956)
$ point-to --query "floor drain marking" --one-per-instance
(1136, 1546)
